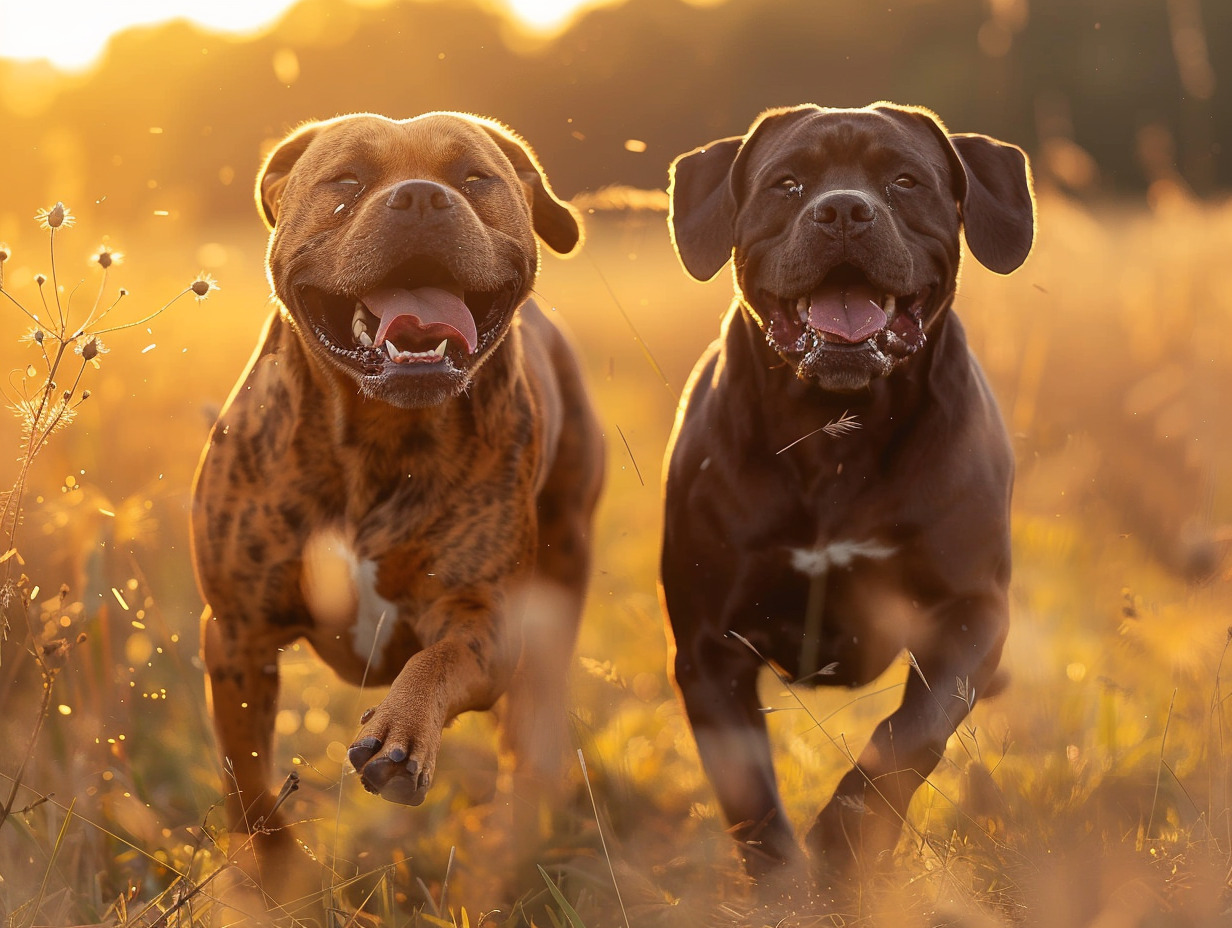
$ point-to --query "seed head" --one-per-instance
(55, 217)
(5, 254)
(91, 349)
(106, 257)
(38, 336)
(203, 285)
(40, 279)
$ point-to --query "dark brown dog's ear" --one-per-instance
(992, 184)
(555, 221)
(702, 207)
(272, 177)
(998, 208)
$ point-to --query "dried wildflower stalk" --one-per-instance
(45, 405)
(45, 396)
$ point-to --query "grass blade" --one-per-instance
(570, 913)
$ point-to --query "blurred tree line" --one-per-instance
(1110, 96)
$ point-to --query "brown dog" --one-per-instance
(832, 555)
(406, 473)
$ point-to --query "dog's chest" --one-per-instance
(340, 590)
(841, 554)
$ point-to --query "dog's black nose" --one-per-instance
(421, 196)
(844, 211)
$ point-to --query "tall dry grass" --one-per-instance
(1094, 791)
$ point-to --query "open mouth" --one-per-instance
(419, 317)
(845, 311)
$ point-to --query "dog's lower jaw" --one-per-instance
(418, 390)
(842, 378)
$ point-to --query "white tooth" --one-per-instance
(365, 339)
(389, 346)
(889, 304)
(440, 349)
(802, 308)
(357, 327)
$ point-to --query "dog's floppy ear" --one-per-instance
(998, 208)
(272, 177)
(702, 206)
(992, 184)
(554, 220)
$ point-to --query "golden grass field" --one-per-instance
(1096, 791)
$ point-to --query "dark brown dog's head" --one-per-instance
(844, 225)
(402, 249)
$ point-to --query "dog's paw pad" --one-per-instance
(396, 778)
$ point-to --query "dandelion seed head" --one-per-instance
(203, 285)
(5, 253)
(123, 291)
(40, 279)
(91, 349)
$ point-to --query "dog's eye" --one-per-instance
(904, 180)
(348, 178)
(790, 186)
(473, 177)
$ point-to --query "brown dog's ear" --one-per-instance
(702, 207)
(998, 208)
(992, 184)
(272, 177)
(555, 221)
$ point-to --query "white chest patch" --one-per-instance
(340, 590)
(815, 562)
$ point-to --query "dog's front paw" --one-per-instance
(392, 761)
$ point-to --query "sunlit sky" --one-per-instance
(72, 33)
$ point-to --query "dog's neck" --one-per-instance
(790, 407)
(387, 437)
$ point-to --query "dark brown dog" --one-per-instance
(405, 474)
(832, 555)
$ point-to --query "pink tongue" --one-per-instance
(848, 311)
(426, 311)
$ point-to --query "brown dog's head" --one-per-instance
(401, 249)
(844, 225)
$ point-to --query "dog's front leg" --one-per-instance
(243, 690)
(869, 808)
(718, 681)
(466, 666)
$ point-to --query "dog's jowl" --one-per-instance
(838, 482)
(405, 474)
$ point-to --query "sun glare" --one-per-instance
(72, 35)
(31, 31)
(548, 15)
